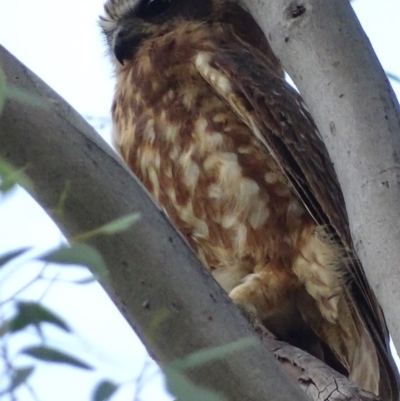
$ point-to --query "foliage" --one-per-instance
(8, 91)
(393, 77)
(18, 315)
(179, 384)
(26, 315)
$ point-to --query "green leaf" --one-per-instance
(9, 177)
(81, 255)
(392, 76)
(23, 96)
(104, 390)
(184, 390)
(32, 313)
(19, 376)
(60, 208)
(3, 90)
(5, 327)
(115, 226)
(118, 225)
(9, 256)
(204, 356)
(52, 355)
(84, 281)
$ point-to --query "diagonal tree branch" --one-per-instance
(157, 282)
(160, 287)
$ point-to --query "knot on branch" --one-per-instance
(295, 10)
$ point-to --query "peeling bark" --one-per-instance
(319, 381)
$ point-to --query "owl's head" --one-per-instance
(127, 23)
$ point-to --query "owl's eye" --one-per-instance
(152, 8)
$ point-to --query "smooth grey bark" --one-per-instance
(327, 54)
(156, 281)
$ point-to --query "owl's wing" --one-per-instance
(278, 117)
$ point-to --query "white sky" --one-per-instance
(60, 41)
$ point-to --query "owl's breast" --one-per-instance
(213, 178)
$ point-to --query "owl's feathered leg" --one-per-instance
(266, 302)
(265, 292)
(328, 309)
(319, 267)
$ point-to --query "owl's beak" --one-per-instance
(126, 42)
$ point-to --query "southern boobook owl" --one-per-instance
(203, 117)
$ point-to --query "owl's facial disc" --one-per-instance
(130, 29)
(128, 22)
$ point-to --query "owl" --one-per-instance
(204, 118)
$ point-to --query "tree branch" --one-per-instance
(318, 380)
(156, 281)
(325, 51)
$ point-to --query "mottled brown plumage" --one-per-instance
(203, 117)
